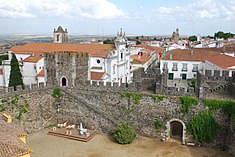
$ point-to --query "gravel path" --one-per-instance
(101, 145)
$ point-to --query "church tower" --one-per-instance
(60, 35)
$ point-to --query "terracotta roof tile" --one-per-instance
(98, 50)
(138, 59)
(152, 48)
(223, 61)
(41, 73)
(189, 55)
(10, 144)
(33, 59)
(97, 75)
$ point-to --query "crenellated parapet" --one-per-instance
(175, 91)
(9, 91)
(106, 86)
(221, 81)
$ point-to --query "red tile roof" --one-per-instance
(152, 48)
(222, 61)
(98, 50)
(10, 144)
(189, 55)
(97, 75)
(41, 73)
(33, 59)
(137, 59)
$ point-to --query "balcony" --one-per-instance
(174, 69)
(184, 70)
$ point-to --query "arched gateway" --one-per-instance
(176, 129)
(63, 82)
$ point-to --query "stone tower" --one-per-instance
(175, 36)
(60, 35)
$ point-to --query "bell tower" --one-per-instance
(60, 35)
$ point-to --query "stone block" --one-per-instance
(34, 86)
(10, 89)
(41, 84)
(208, 73)
(19, 88)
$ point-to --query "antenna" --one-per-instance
(193, 26)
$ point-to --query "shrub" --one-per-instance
(203, 127)
(187, 102)
(158, 97)
(56, 92)
(158, 124)
(124, 133)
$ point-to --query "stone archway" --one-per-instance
(176, 129)
(63, 81)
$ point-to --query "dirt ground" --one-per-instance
(101, 145)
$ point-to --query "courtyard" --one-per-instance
(102, 145)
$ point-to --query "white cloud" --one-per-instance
(202, 9)
(96, 9)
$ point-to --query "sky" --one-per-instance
(106, 17)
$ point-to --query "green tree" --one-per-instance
(15, 74)
(124, 133)
(223, 35)
(108, 41)
(192, 38)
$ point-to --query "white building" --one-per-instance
(107, 62)
(115, 65)
(220, 62)
(183, 64)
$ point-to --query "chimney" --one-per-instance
(191, 53)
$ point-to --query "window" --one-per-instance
(195, 67)
(184, 68)
(121, 56)
(175, 67)
(165, 65)
(114, 69)
(98, 61)
(58, 37)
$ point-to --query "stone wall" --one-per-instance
(41, 112)
(209, 81)
(70, 65)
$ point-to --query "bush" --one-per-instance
(124, 133)
(203, 127)
(56, 92)
(159, 125)
(187, 102)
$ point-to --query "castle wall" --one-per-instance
(210, 81)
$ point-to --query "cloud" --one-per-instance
(95, 9)
(201, 10)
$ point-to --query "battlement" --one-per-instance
(106, 86)
(215, 81)
(9, 91)
(220, 75)
(163, 89)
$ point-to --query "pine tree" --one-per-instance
(15, 74)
